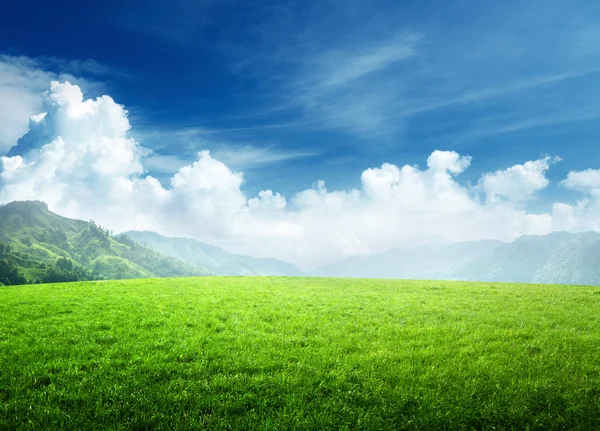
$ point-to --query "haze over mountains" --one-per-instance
(213, 258)
(43, 246)
(427, 261)
(558, 257)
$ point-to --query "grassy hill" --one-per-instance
(213, 258)
(299, 353)
(38, 238)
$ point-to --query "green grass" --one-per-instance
(299, 353)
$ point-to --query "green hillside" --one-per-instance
(213, 258)
(229, 353)
(44, 246)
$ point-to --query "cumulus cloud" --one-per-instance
(22, 83)
(585, 213)
(80, 158)
(20, 97)
(519, 182)
(585, 181)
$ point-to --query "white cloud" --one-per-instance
(353, 86)
(236, 156)
(163, 163)
(340, 68)
(585, 181)
(22, 83)
(585, 214)
(249, 156)
(20, 98)
(519, 182)
(84, 164)
(441, 161)
(268, 199)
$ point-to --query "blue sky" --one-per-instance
(290, 93)
(326, 89)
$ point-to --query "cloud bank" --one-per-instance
(78, 156)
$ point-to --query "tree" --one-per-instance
(64, 264)
(9, 273)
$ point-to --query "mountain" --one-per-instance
(39, 245)
(559, 257)
(423, 262)
(213, 258)
(575, 261)
(47, 247)
(518, 261)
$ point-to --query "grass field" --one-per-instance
(299, 353)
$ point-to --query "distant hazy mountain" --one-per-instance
(576, 260)
(424, 262)
(213, 258)
(519, 261)
(37, 239)
(555, 258)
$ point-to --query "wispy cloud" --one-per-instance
(241, 157)
(340, 68)
(200, 131)
(79, 67)
(179, 22)
(351, 87)
(497, 91)
(249, 157)
(533, 122)
(163, 164)
(370, 81)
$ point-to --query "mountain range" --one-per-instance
(37, 245)
(559, 257)
(213, 258)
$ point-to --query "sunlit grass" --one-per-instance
(299, 353)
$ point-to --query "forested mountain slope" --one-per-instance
(47, 247)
